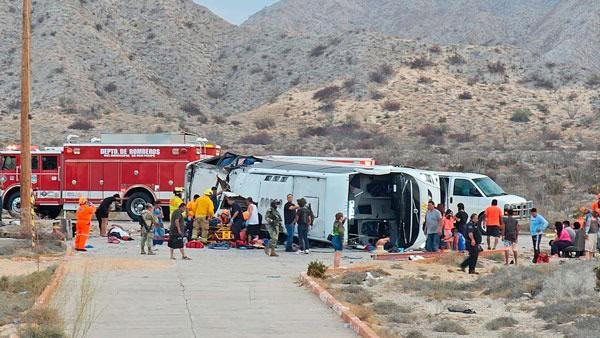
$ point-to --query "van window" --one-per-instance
(34, 162)
(465, 188)
(9, 162)
(49, 162)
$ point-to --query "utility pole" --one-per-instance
(26, 219)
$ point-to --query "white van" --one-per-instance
(476, 192)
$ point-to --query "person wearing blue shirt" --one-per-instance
(537, 226)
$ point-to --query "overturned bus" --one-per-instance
(379, 201)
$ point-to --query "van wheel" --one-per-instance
(13, 204)
(136, 203)
(480, 223)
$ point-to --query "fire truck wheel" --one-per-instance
(13, 204)
(135, 204)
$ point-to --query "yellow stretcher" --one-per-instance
(220, 233)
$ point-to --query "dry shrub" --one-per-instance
(420, 63)
(327, 93)
(462, 137)
(81, 125)
(318, 51)
(265, 123)
(450, 326)
(381, 74)
(450, 259)
(389, 307)
(260, 138)
(216, 93)
(567, 310)
(363, 313)
(465, 96)
(391, 105)
(191, 108)
(355, 294)
(435, 289)
(424, 80)
(436, 49)
(316, 269)
(219, 119)
(351, 277)
(413, 334)
(500, 323)
(521, 115)
(402, 318)
(496, 67)
(432, 134)
(579, 276)
(456, 59)
(42, 323)
(531, 280)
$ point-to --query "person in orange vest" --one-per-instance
(596, 205)
(84, 219)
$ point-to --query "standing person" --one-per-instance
(103, 211)
(447, 229)
(289, 217)
(84, 219)
(510, 236)
(203, 212)
(561, 241)
(591, 241)
(579, 239)
(147, 222)
(159, 228)
(253, 224)
(596, 205)
(176, 200)
(274, 222)
(214, 197)
(189, 217)
(493, 223)
(237, 217)
(461, 220)
(337, 238)
(176, 232)
(537, 226)
(473, 244)
(303, 220)
(432, 227)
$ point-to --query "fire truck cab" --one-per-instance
(141, 168)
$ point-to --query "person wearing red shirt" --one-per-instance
(596, 205)
(493, 223)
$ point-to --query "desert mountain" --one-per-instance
(553, 30)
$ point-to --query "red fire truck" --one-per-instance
(142, 168)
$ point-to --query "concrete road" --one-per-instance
(233, 293)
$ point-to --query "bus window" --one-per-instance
(49, 162)
(9, 162)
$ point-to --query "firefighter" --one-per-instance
(203, 212)
(175, 201)
(84, 218)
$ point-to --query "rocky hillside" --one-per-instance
(555, 31)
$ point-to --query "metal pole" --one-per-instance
(26, 219)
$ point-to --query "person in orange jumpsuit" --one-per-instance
(84, 219)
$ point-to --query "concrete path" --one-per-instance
(233, 293)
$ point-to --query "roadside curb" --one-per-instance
(44, 298)
(341, 310)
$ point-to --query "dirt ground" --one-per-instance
(412, 298)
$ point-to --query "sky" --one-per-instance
(235, 11)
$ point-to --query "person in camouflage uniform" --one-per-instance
(274, 226)
(147, 222)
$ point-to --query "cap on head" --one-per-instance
(178, 190)
(82, 200)
(208, 192)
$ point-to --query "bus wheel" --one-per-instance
(13, 204)
(136, 203)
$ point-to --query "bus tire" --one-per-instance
(135, 204)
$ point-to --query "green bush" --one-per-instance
(521, 115)
(316, 269)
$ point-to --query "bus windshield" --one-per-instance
(489, 187)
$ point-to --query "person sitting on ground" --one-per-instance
(567, 227)
(448, 229)
(510, 236)
(579, 239)
(591, 241)
(561, 241)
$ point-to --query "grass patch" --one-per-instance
(531, 280)
(414, 334)
(497, 257)
(567, 310)
(500, 323)
(388, 307)
(352, 278)
(42, 323)
(402, 318)
(18, 294)
(435, 289)
(450, 326)
(355, 294)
